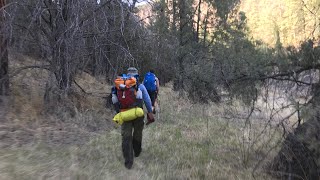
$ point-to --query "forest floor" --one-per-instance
(187, 141)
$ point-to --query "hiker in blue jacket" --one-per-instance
(131, 131)
(151, 82)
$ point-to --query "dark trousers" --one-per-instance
(153, 96)
(131, 132)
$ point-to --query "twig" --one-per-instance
(46, 67)
(75, 82)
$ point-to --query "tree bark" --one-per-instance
(198, 21)
(4, 65)
(205, 28)
(174, 15)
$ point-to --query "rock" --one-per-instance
(299, 157)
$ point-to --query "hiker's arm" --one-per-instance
(146, 98)
(115, 101)
(117, 107)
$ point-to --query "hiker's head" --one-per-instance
(152, 71)
(132, 71)
(119, 75)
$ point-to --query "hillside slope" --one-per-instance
(26, 117)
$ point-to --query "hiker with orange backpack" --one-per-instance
(127, 94)
(151, 82)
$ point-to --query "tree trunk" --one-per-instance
(183, 21)
(205, 28)
(198, 21)
(62, 69)
(178, 82)
(4, 74)
(174, 15)
(4, 65)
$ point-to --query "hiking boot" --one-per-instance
(128, 165)
(137, 154)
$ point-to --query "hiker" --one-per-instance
(151, 82)
(131, 131)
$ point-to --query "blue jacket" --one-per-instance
(146, 97)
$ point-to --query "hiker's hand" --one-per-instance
(150, 118)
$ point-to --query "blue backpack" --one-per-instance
(150, 82)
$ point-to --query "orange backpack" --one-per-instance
(126, 92)
(125, 82)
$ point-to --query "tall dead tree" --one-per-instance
(72, 36)
(4, 79)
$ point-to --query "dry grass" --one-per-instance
(25, 120)
(28, 88)
(188, 141)
(184, 143)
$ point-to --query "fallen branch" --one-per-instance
(104, 95)
(18, 71)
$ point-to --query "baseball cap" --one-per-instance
(132, 71)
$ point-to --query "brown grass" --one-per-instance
(187, 141)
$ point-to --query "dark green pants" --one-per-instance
(131, 132)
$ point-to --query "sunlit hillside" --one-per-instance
(288, 21)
